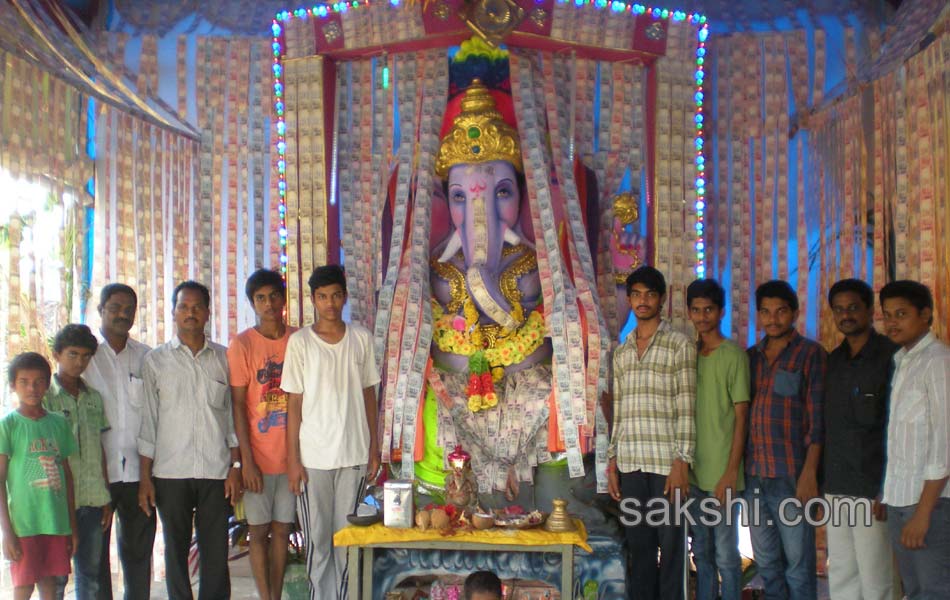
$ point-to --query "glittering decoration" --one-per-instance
(656, 32)
(281, 142)
(332, 32)
(493, 19)
(700, 182)
(441, 11)
(538, 16)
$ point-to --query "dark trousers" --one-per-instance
(925, 572)
(181, 502)
(135, 534)
(649, 579)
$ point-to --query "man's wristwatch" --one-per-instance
(236, 464)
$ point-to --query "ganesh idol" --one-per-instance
(489, 347)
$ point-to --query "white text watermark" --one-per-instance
(839, 511)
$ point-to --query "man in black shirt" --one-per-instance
(861, 563)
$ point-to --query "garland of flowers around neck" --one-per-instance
(489, 348)
(486, 365)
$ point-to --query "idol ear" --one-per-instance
(451, 247)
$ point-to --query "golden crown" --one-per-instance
(479, 134)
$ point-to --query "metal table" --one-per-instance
(360, 552)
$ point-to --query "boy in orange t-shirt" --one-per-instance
(256, 360)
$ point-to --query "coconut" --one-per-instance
(440, 518)
(483, 521)
(423, 519)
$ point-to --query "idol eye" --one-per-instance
(457, 196)
(503, 193)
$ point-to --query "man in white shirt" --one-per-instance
(188, 444)
(916, 488)
(330, 375)
(116, 372)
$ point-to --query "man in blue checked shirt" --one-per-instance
(784, 444)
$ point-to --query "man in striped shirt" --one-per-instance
(917, 477)
(786, 431)
(651, 448)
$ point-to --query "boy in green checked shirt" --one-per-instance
(73, 348)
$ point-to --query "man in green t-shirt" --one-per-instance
(722, 409)
(37, 511)
(73, 348)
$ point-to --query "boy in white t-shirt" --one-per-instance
(330, 375)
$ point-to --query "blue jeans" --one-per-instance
(715, 551)
(88, 555)
(925, 572)
(784, 553)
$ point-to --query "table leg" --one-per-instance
(367, 573)
(567, 572)
(353, 571)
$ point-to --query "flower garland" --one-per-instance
(481, 384)
(486, 365)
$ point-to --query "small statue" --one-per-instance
(460, 488)
(626, 247)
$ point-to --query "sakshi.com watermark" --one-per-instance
(839, 511)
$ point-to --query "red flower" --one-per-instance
(486, 380)
(474, 385)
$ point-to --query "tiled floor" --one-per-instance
(242, 582)
(823, 593)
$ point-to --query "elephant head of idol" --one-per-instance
(480, 159)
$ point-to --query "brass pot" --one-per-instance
(559, 521)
